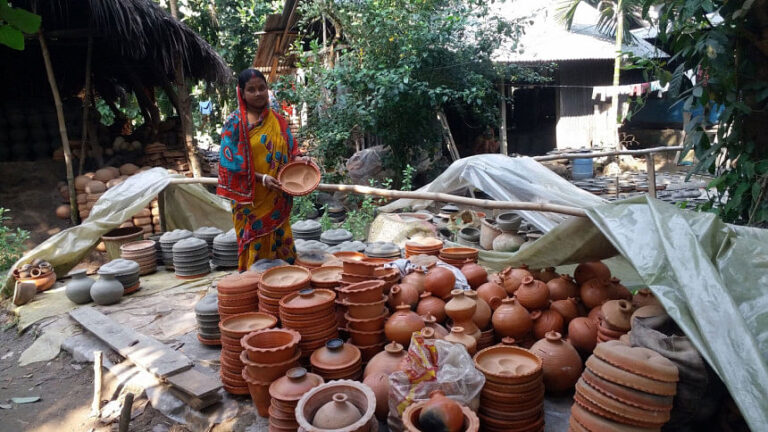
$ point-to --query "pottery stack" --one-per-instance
(125, 271)
(207, 233)
(423, 246)
(224, 250)
(167, 241)
(238, 293)
(362, 269)
(279, 282)
(207, 315)
(158, 247)
(232, 329)
(335, 237)
(285, 393)
(512, 398)
(307, 230)
(383, 250)
(615, 321)
(337, 360)
(143, 252)
(267, 355)
(38, 272)
(624, 388)
(365, 315)
(341, 405)
(191, 258)
(329, 277)
(311, 313)
(458, 256)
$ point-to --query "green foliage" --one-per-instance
(11, 243)
(14, 23)
(325, 220)
(358, 221)
(408, 173)
(731, 64)
(303, 206)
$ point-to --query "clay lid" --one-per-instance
(299, 178)
(308, 300)
(335, 355)
(175, 235)
(506, 361)
(326, 275)
(207, 232)
(382, 250)
(638, 360)
(208, 305)
(119, 267)
(190, 244)
(225, 239)
(241, 324)
(617, 314)
(292, 386)
(237, 283)
(459, 252)
(138, 246)
(285, 277)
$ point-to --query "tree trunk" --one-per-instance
(617, 72)
(86, 105)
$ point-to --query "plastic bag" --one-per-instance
(429, 365)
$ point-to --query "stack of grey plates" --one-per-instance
(207, 314)
(306, 245)
(167, 241)
(207, 234)
(335, 237)
(225, 250)
(158, 247)
(336, 212)
(125, 271)
(382, 250)
(348, 246)
(190, 258)
(306, 230)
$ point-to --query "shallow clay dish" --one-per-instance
(299, 178)
(593, 422)
(619, 376)
(641, 361)
(280, 279)
(326, 277)
(620, 409)
(307, 301)
(363, 292)
(240, 325)
(365, 310)
(627, 395)
(459, 253)
(508, 364)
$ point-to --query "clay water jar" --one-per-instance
(561, 363)
(562, 287)
(270, 345)
(403, 294)
(489, 290)
(366, 325)
(568, 309)
(78, 289)
(107, 290)
(439, 281)
(483, 312)
(379, 383)
(441, 413)
(619, 291)
(461, 308)
(582, 334)
(510, 319)
(386, 361)
(429, 304)
(595, 292)
(401, 324)
(532, 294)
(617, 314)
(365, 310)
(513, 277)
(431, 322)
(470, 423)
(363, 292)
(475, 274)
(545, 321)
(416, 279)
(458, 336)
(548, 274)
(644, 297)
(591, 270)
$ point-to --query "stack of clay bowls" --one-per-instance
(383, 250)
(307, 230)
(356, 270)
(311, 258)
(337, 360)
(285, 393)
(232, 329)
(329, 277)
(423, 246)
(158, 248)
(225, 250)
(238, 293)
(279, 282)
(207, 314)
(125, 271)
(365, 316)
(512, 398)
(624, 388)
(348, 246)
(167, 241)
(267, 355)
(458, 256)
(615, 321)
(191, 258)
(311, 313)
(207, 234)
(342, 406)
(142, 252)
(335, 237)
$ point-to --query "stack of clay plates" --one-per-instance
(142, 252)
(458, 256)
(307, 245)
(347, 246)
(207, 234)
(382, 250)
(311, 313)
(624, 388)
(167, 241)
(207, 313)
(190, 258)
(125, 271)
(158, 248)
(225, 250)
(306, 230)
(334, 237)
(423, 246)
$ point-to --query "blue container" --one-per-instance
(582, 168)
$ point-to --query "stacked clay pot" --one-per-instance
(458, 256)
(561, 363)
(284, 395)
(277, 283)
(461, 310)
(191, 258)
(401, 325)
(439, 413)
(38, 272)
(238, 293)
(267, 355)
(232, 329)
(624, 388)
(142, 252)
(224, 250)
(207, 315)
(337, 360)
(512, 398)
(167, 240)
(423, 246)
(329, 277)
(207, 233)
(356, 269)
(340, 406)
(311, 313)
(615, 320)
(365, 315)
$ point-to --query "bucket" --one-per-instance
(582, 168)
(117, 237)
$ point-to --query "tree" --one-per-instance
(14, 23)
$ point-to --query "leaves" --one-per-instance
(14, 22)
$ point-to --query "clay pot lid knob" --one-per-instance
(335, 344)
(393, 348)
(457, 330)
(625, 306)
(428, 332)
(508, 340)
(394, 290)
(306, 292)
(457, 292)
(526, 280)
(296, 373)
(553, 336)
(403, 307)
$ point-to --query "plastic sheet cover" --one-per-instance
(507, 179)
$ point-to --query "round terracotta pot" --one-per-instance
(401, 324)
(379, 383)
(532, 294)
(271, 345)
(365, 310)
(591, 270)
(441, 413)
(511, 319)
(489, 290)
(386, 361)
(582, 334)
(457, 336)
(483, 312)
(562, 364)
(548, 274)
(562, 287)
(429, 304)
(619, 291)
(431, 322)
(439, 281)
(470, 423)
(568, 308)
(415, 279)
(512, 278)
(595, 292)
(268, 371)
(644, 297)
(403, 294)
(546, 321)
(596, 314)
(366, 325)
(461, 307)
(475, 274)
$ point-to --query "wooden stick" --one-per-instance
(651, 167)
(74, 213)
(86, 104)
(610, 153)
(125, 413)
(97, 377)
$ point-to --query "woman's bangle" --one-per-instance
(263, 179)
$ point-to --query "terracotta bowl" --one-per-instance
(326, 277)
(411, 418)
(513, 388)
(351, 278)
(308, 301)
(268, 371)
(365, 338)
(357, 267)
(363, 292)
(366, 325)
(365, 310)
(240, 325)
(358, 394)
(270, 345)
(508, 364)
(367, 352)
(253, 302)
(285, 279)
(42, 283)
(357, 256)
(235, 310)
(459, 253)
(299, 178)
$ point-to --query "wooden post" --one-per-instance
(74, 214)
(651, 167)
(97, 376)
(503, 126)
(125, 413)
(86, 104)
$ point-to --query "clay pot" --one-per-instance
(293, 385)
(591, 270)
(402, 324)
(562, 365)
(416, 279)
(78, 289)
(379, 383)
(595, 292)
(461, 308)
(507, 242)
(475, 274)
(617, 314)
(63, 211)
(366, 338)
(271, 345)
(509, 365)
(357, 394)
(458, 336)
(546, 321)
(403, 294)
(619, 291)
(532, 294)
(439, 281)
(562, 287)
(363, 292)
(582, 334)
(513, 277)
(644, 297)
(488, 232)
(366, 325)
(336, 414)
(548, 274)
(386, 361)
(568, 308)
(483, 312)
(596, 315)
(431, 305)
(470, 422)
(511, 319)
(441, 413)
(107, 290)
(335, 356)
(365, 310)
(431, 322)
(489, 290)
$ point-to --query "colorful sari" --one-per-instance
(261, 216)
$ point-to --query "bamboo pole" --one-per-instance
(651, 167)
(97, 378)
(74, 215)
(125, 413)
(640, 152)
(86, 103)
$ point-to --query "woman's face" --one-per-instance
(256, 94)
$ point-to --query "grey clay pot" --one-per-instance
(107, 290)
(78, 289)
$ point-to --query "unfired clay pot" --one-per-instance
(617, 314)
(560, 288)
(591, 270)
(532, 294)
(78, 289)
(402, 324)
(441, 413)
(429, 304)
(562, 365)
(511, 319)
(595, 292)
(475, 274)
(489, 290)
(386, 361)
(439, 281)
(403, 294)
(458, 336)
(107, 290)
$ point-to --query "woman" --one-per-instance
(255, 144)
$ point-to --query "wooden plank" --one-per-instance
(195, 383)
(104, 328)
(196, 403)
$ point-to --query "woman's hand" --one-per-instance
(270, 182)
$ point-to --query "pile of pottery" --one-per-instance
(38, 272)
(458, 256)
(167, 241)
(365, 315)
(224, 250)
(401, 325)
(267, 355)
(238, 293)
(512, 398)
(335, 237)
(311, 313)
(207, 315)
(207, 233)
(624, 388)
(158, 248)
(191, 258)
(284, 395)
(383, 250)
(348, 246)
(441, 413)
(337, 360)
(106, 290)
(233, 329)
(279, 282)
(469, 236)
(125, 271)
(307, 230)
(423, 246)
(341, 406)
(143, 252)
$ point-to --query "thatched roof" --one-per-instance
(133, 40)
